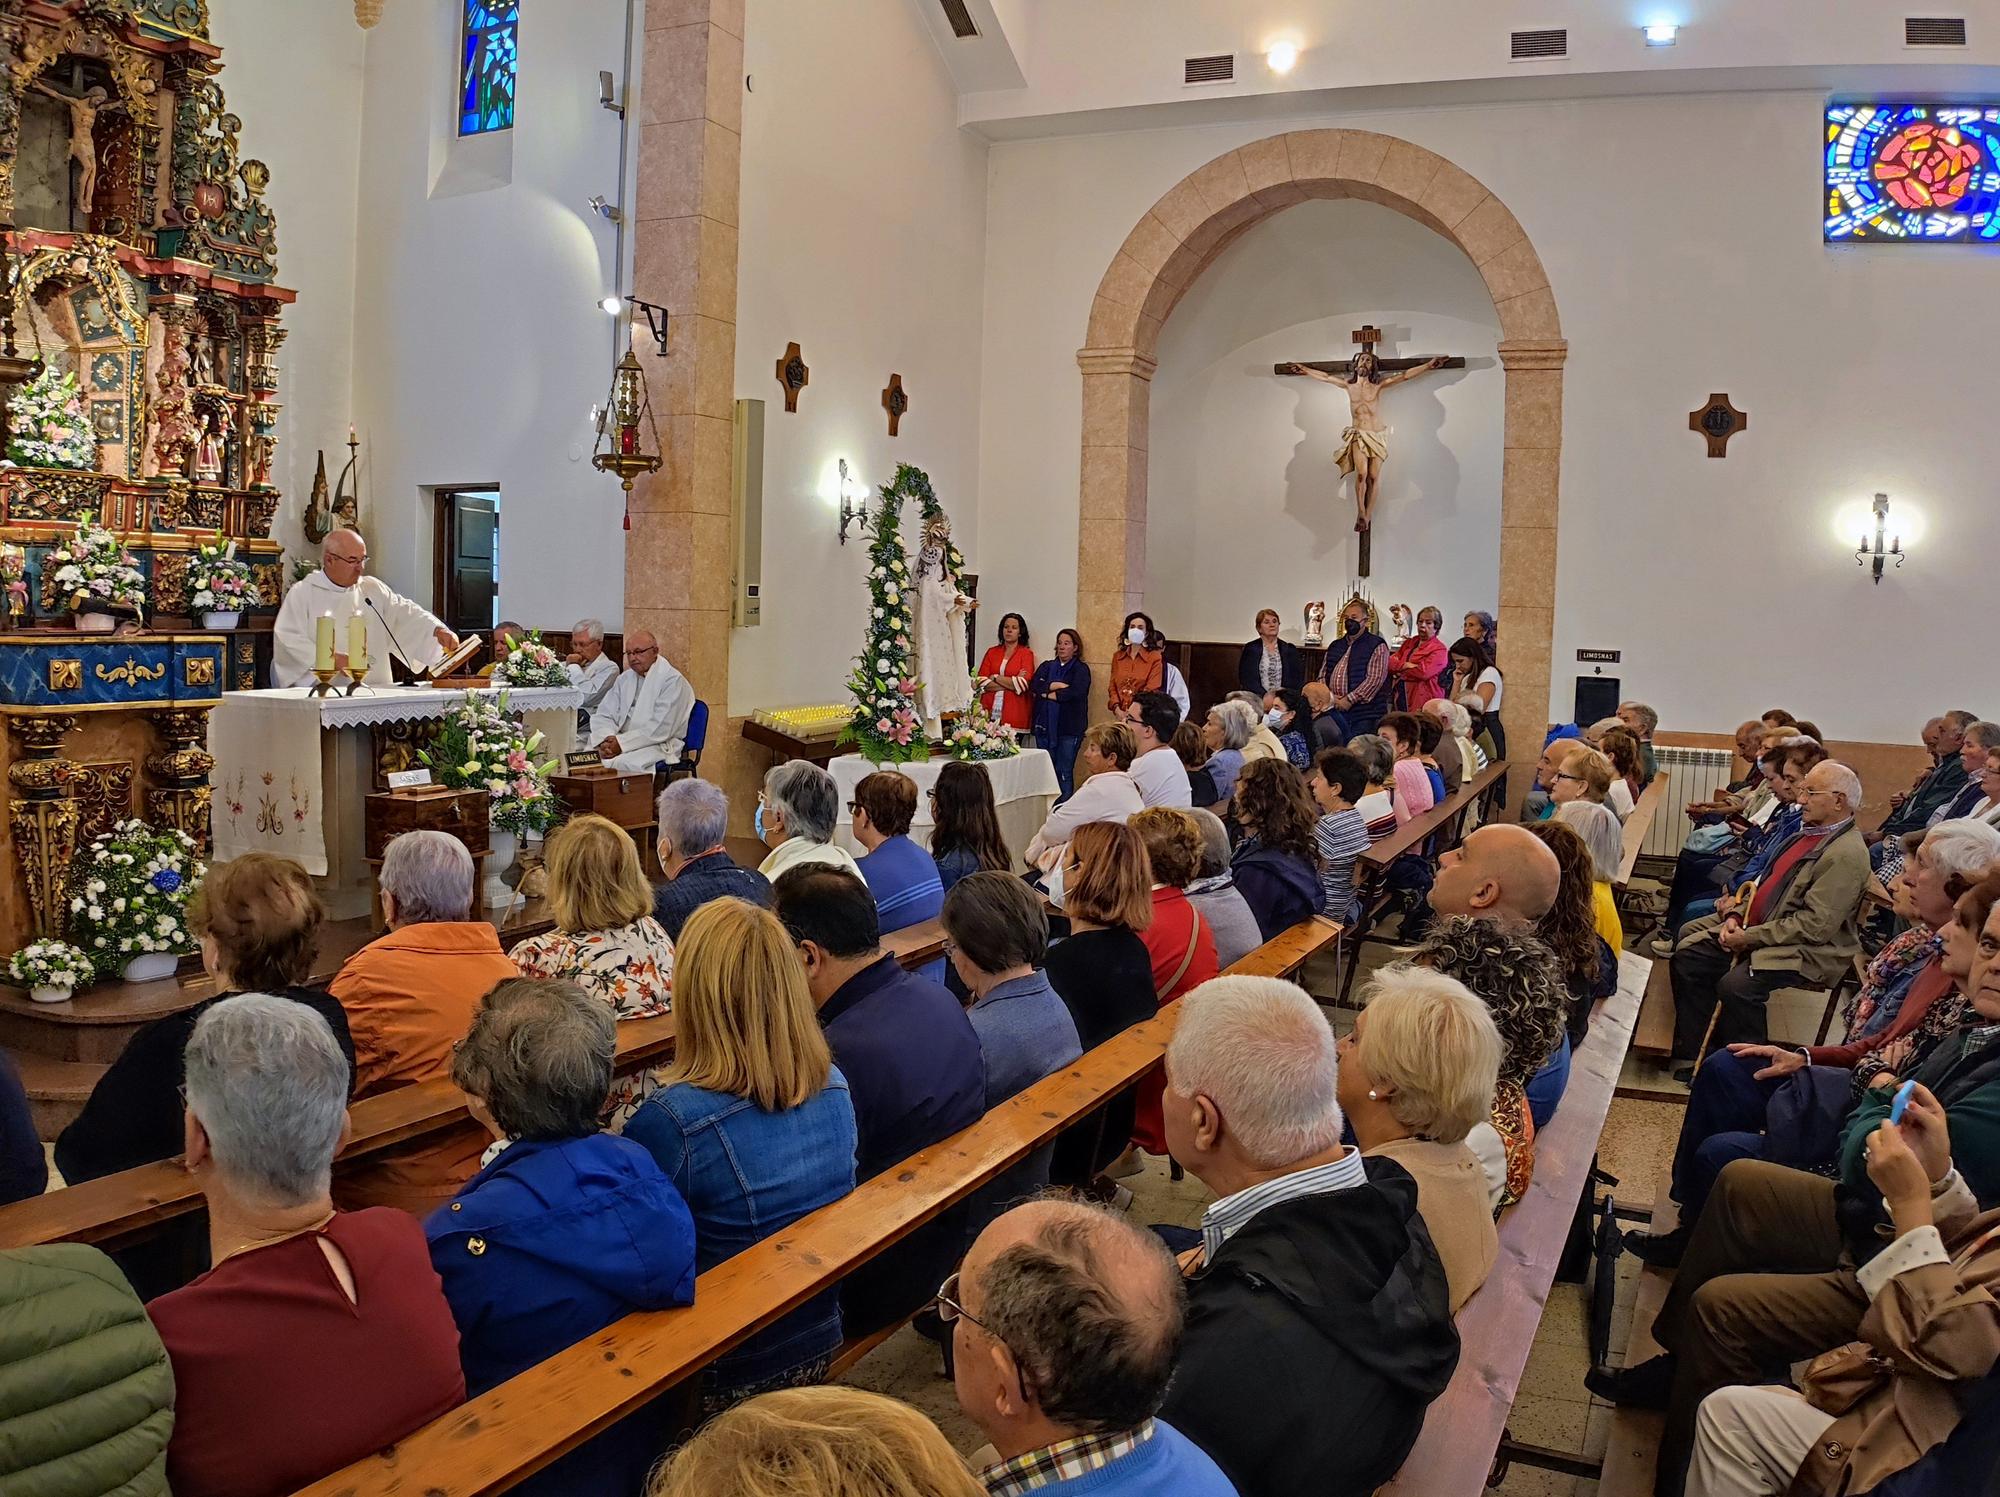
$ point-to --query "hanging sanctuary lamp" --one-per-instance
(621, 449)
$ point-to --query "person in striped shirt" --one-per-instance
(1340, 835)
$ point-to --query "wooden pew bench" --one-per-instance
(1466, 1426)
(516, 1429)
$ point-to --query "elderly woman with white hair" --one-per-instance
(319, 1336)
(1252, 1110)
(566, 1228)
(410, 996)
(1598, 826)
(796, 812)
(1417, 1074)
(1225, 732)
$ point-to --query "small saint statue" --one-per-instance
(83, 109)
(1316, 622)
(208, 455)
(1364, 445)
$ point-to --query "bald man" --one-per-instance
(342, 589)
(1503, 872)
(1065, 1321)
(643, 719)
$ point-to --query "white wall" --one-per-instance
(1675, 275)
(292, 73)
(479, 352)
(863, 228)
(1242, 509)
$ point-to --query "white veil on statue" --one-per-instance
(943, 682)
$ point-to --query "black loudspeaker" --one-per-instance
(1596, 697)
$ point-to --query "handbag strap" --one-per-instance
(1187, 957)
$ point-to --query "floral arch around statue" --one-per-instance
(901, 683)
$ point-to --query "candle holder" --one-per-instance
(357, 670)
(323, 683)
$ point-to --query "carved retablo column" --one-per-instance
(180, 796)
(41, 818)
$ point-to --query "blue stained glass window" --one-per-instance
(490, 58)
(1913, 172)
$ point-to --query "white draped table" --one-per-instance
(291, 771)
(1024, 789)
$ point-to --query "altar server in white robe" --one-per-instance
(591, 671)
(644, 717)
(394, 623)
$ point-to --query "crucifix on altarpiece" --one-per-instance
(1364, 445)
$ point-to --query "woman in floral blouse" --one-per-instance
(606, 940)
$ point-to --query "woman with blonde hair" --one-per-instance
(817, 1442)
(753, 1123)
(1417, 1074)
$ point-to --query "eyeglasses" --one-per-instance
(638, 650)
(949, 1309)
(347, 561)
(1563, 774)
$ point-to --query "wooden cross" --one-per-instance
(793, 375)
(895, 402)
(1367, 336)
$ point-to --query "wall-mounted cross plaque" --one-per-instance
(1718, 421)
(895, 402)
(793, 375)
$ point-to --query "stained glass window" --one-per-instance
(490, 58)
(1913, 172)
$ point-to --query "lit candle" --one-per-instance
(323, 643)
(352, 439)
(357, 639)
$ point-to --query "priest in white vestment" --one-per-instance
(339, 588)
(591, 671)
(644, 717)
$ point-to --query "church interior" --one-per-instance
(1080, 617)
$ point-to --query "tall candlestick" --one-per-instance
(357, 639)
(323, 643)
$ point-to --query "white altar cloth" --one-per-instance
(1024, 790)
(290, 770)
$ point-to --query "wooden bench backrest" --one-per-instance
(1637, 825)
(516, 1429)
(118, 1209)
(1415, 834)
(1496, 1327)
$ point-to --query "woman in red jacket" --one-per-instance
(1004, 675)
(1418, 662)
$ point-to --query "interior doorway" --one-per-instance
(465, 590)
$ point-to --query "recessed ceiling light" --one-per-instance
(1283, 56)
(1662, 35)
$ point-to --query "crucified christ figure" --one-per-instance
(1364, 445)
(83, 109)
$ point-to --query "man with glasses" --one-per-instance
(1158, 773)
(644, 717)
(1065, 1320)
(341, 589)
(1795, 929)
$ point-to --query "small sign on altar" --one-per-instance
(582, 759)
(409, 779)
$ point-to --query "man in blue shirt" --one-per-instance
(694, 818)
(902, 876)
(913, 1069)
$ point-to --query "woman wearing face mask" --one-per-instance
(1061, 694)
(1139, 664)
(1357, 672)
(1416, 664)
(1286, 714)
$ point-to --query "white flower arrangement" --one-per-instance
(884, 725)
(94, 574)
(218, 582)
(483, 746)
(51, 964)
(48, 426)
(130, 889)
(977, 736)
(532, 663)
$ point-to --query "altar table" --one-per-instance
(291, 770)
(1024, 790)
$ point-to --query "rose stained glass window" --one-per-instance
(489, 60)
(1912, 172)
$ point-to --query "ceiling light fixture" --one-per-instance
(1282, 56)
(1662, 35)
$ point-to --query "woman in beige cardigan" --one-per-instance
(1871, 1408)
(1417, 1072)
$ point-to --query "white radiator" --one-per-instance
(1692, 774)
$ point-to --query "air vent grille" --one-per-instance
(1934, 31)
(1217, 68)
(960, 18)
(1540, 45)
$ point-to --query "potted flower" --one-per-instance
(47, 425)
(482, 745)
(531, 663)
(219, 585)
(96, 578)
(50, 970)
(128, 897)
(976, 736)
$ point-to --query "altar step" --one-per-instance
(57, 1090)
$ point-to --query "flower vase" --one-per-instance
(503, 847)
(95, 623)
(51, 995)
(221, 620)
(151, 966)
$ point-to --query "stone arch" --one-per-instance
(1181, 235)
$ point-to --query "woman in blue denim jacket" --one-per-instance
(752, 1123)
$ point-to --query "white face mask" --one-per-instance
(1273, 718)
(1052, 885)
(1136, 637)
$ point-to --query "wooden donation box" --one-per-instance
(623, 799)
(100, 728)
(426, 808)
(293, 773)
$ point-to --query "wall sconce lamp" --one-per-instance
(605, 209)
(1878, 553)
(656, 316)
(853, 501)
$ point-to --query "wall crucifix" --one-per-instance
(1364, 444)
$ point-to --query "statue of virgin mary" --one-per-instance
(943, 683)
